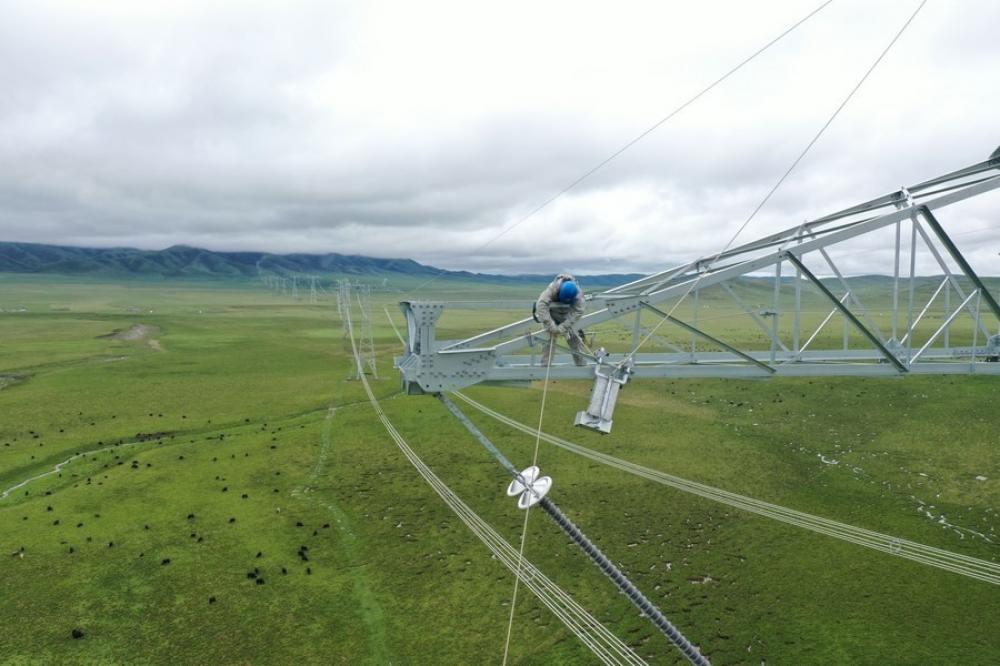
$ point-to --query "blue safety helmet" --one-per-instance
(568, 291)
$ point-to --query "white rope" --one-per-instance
(600, 640)
(527, 510)
(964, 565)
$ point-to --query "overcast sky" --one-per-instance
(422, 129)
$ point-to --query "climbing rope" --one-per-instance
(527, 511)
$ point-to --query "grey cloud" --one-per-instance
(248, 127)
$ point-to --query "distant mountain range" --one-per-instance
(181, 261)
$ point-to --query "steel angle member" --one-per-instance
(604, 396)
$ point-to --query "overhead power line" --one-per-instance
(598, 638)
(642, 135)
(964, 565)
(784, 176)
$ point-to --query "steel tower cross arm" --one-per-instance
(518, 335)
(624, 306)
(846, 312)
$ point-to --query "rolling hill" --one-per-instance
(181, 261)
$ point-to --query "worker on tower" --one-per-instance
(558, 308)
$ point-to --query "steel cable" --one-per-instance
(964, 565)
(784, 176)
(600, 165)
(600, 640)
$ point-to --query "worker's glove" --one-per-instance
(563, 329)
(553, 329)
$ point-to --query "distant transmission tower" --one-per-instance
(295, 288)
(312, 289)
(362, 294)
(367, 336)
(343, 303)
(340, 302)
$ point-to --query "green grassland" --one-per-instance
(233, 447)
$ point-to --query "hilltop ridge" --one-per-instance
(185, 261)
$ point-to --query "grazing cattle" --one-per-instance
(165, 562)
(211, 600)
(77, 633)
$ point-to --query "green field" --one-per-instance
(246, 506)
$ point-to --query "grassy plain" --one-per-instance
(238, 445)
